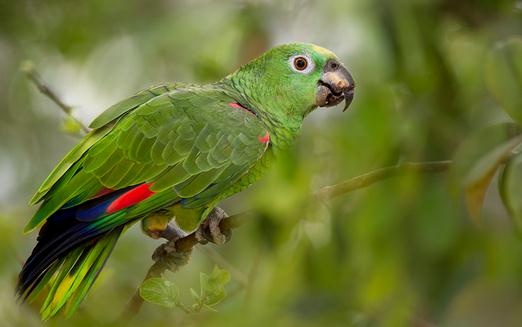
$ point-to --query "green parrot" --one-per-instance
(172, 151)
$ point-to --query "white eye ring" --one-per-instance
(301, 63)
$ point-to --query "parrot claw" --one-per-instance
(209, 230)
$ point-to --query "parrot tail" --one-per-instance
(74, 244)
(64, 283)
(66, 260)
(67, 281)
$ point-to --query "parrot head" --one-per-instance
(293, 79)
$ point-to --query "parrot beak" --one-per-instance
(336, 84)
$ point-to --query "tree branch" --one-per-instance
(32, 74)
(374, 176)
(185, 244)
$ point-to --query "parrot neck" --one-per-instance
(282, 134)
(283, 120)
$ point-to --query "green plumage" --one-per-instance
(194, 145)
(180, 135)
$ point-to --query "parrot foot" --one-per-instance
(209, 230)
(172, 232)
(161, 225)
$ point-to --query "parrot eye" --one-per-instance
(302, 64)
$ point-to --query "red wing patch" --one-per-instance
(264, 139)
(131, 197)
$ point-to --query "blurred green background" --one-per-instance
(400, 253)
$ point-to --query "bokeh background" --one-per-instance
(402, 252)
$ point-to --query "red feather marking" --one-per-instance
(264, 139)
(137, 194)
(238, 106)
(235, 105)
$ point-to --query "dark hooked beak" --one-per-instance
(336, 84)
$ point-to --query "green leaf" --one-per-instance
(71, 125)
(510, 188)
(27, 67)
(504, 76)
(478, 160)
(213, 286)
(195, 296)
(478, 179)
(160, 291)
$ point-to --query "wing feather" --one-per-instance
(187, 140)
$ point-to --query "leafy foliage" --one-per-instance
(212, 288)
(504, 76)
(478, 161)
(160, 291)
(494, 146)
(165, 293)
(71, 126)
(510, 188)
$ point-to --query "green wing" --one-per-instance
(189, 143)
(101, 126)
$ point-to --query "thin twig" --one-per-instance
(33, 75)
(374, 176)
